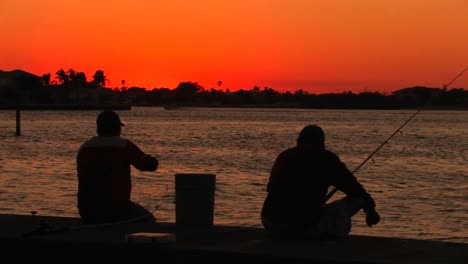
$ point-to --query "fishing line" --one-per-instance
(45, 229)
(329, 195)
(332, 192)
(136, 219)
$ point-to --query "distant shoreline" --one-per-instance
(66, 107)
(445, 108)
(61, 107)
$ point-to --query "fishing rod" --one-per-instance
(332, 192)
(329, 195)
(456, 77)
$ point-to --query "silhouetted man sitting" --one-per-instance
(104, 174)
(297, 189)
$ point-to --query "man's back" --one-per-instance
(298, 186)
(103, 171)
(104, 178)
(299, 182)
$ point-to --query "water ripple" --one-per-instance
(419, 179)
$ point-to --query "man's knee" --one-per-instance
(138, 211)
(354, 204)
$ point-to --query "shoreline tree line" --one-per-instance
(73, 87)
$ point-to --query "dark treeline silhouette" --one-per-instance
(73, 87)
(67, 87)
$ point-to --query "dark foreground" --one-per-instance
(66, 241)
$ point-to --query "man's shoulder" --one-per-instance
(329, 152)
(289, 151)
(309, 151)
(87, 143)
(102, 142)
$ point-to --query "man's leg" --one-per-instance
(335, 219)
(138, 212)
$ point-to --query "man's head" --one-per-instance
(108, 124)
(311, 135)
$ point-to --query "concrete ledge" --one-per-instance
(219, 244)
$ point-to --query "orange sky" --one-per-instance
(319, 46)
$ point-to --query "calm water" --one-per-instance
(419, 179)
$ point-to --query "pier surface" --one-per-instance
(64, 239)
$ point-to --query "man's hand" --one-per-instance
(372, 218)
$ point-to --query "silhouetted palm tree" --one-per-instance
(71, 74)
(80, 79)
(79, 82)
(99, 78)
(61, 76)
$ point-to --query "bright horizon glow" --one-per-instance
(314, 45)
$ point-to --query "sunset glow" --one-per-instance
(315, 45)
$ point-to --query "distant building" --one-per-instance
(417, 94)
(18, 85)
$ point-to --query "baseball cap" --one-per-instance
(312, 134)
(108, 119)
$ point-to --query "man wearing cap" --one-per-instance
(104, 177)
(297, 189)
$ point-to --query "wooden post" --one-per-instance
(18, 121)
